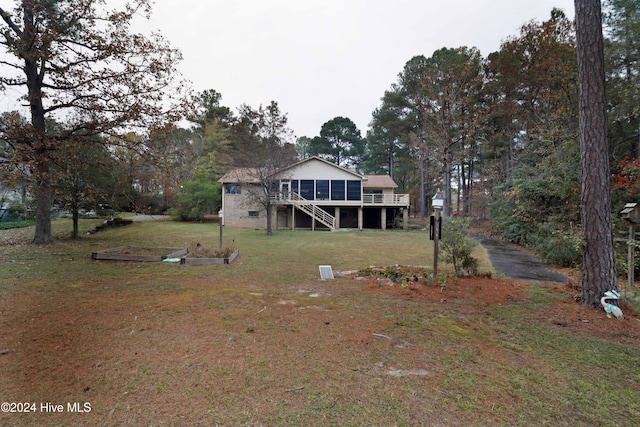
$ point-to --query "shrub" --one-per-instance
(506, 219)
(557, 246)
(457, 247)
(552, 240)
(196, 199)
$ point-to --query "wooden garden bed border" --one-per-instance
(112, 254)
(209, 261)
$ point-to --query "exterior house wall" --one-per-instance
(305, 179)
(352, 205)
(316, 169)
(237, 208)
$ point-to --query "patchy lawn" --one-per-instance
(231, 345)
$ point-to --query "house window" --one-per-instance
(354, 190)
(307, 188)
(337, 190)
(254, 214)
(322, 189)
(232, 189)
(294, 185)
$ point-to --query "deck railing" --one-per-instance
(386, 199)
(309, 207)
(367, 199)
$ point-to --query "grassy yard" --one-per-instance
(263, 342)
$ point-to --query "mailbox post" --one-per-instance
(437, 202)
(631, 213)
(220, 219)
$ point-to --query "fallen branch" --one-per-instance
(194, 366)
(114, 408)
(294, 389)
(382, 336)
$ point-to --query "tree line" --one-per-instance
(500, 135)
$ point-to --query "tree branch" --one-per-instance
(6, 18)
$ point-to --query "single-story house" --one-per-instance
(314, 194)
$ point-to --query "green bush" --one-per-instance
(505, 219)
(556, 245)
(517, 232)
(457, 247)
(551, 239)
(559, 249)
(622, 258)
(197, 198)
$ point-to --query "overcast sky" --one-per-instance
(319, 59)
(325, 58)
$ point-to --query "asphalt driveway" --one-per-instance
(510, 261)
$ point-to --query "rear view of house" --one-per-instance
(315, 194)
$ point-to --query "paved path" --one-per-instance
(509, 261)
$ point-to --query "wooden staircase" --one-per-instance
(312, 210)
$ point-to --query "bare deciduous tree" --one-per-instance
(265, 149)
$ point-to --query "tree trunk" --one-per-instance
(41, 166)
(599, 269)
(390, 155)
(43, 201)
(446, 211)
(75, 215)
(423, 202)
(467, 186)
(269, 218)
(461, 180)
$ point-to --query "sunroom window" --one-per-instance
(322, 189)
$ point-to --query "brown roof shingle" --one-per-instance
(379, 181)
(240, 175)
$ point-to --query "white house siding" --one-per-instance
(317, 169)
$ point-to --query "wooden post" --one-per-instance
(293, 217)
(436, 237)
(220, 217)
(631, 254)
(631, 214)
(405, 218)
(383, 218)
